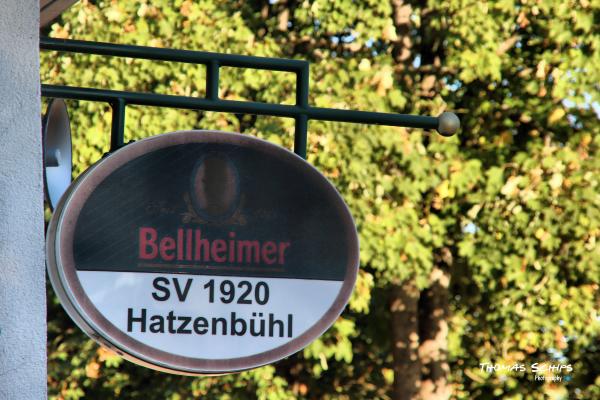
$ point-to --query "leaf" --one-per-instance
(556, 115)
(510, 188)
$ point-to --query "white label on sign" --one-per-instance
(190, 315)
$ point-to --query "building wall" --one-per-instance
(22, 268)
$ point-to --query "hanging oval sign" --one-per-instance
(203, 252)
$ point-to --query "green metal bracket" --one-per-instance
(446, 124)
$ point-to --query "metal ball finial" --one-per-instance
(448, 124)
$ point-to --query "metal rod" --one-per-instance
(300, 135)
(302, 87)
(375, 118)
(301, 125)
(186, 56)
(117, 131)
(212, 80)
(242, 107)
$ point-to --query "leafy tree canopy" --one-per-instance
(509, 209)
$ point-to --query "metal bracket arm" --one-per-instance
(447, 124)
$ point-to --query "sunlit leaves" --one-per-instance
(514, 198)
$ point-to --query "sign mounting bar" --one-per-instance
(447, 124)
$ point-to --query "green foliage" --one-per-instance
(515, 198)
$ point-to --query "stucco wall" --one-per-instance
(22, 272)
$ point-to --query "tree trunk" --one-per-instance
(283, 16)
(404, 301)
(433, 333)
(402, 45)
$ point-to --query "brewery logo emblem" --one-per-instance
(215, 187)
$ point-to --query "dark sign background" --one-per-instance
(275, 200)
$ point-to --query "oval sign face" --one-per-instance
(203, 252)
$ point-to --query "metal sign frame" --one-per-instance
(302, 112)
